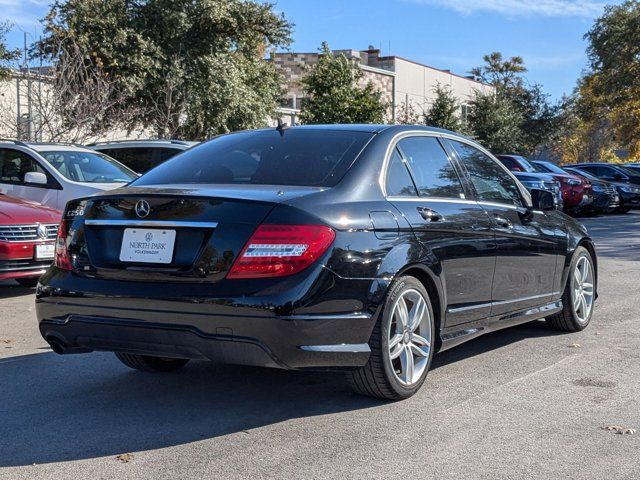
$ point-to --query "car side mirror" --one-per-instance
(35, 178)
(542, 200)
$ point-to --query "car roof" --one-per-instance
(55, 147)
(178, 144)
(366, 127)
(596, 164)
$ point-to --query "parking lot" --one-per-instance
(521, 403)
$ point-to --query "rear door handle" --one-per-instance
(502, 222)
(429, 214)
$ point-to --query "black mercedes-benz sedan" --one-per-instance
(356, 247)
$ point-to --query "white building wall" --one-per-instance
(416, 83)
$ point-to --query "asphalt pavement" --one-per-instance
(526, 402)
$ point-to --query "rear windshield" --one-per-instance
(266, 157)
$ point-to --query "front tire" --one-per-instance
(401, 344)
(578, 297)
(146, 363)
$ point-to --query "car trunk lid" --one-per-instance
(179, 233)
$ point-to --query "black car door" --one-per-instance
(526, 239)
(423, 184)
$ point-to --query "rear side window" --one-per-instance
(167, 153)
(491, 182)
(301, 157)
(139, 160)
(399, 183)
(432, 171)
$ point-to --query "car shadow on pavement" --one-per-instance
(60, 408)
(10, 290)
(493, 341)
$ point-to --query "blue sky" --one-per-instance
(450, 34)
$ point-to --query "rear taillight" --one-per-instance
(62, 259)
(280, 250)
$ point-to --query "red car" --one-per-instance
(577, 192)
(27, 239)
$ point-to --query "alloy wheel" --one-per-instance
(582, 291)
(410, 337)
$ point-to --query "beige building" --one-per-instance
(406, 86)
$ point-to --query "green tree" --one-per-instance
(501, 73)
(7, 56)
(538, 117)
(333, 94)
(191, 67)
(495, 122)
(444, 112)
(614, 79)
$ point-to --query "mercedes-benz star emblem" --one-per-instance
(41, 231)
(142, 208)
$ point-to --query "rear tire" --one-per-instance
(581, 284)
(146, 363)
(29, 282)
(623, 210)
(401, 344)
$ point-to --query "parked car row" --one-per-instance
(583, 187)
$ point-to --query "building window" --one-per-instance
(464, 113)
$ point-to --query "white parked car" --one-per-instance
(142, 155)
(53, 173)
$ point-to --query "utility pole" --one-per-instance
(24, 96)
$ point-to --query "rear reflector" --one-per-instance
(280, 250)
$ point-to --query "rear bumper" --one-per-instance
(225, 330)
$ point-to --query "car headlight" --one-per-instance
(539, 185)
(597, 189)
(630, 189)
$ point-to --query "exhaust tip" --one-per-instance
(56, 345)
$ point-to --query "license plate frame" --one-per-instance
(147, 245)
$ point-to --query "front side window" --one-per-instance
(399, 183)
(431, 168)
(491, 182)
(14, 165)
(610, 172)
(88, 167)
(298, 157)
